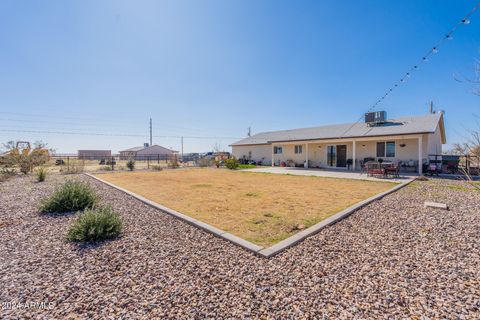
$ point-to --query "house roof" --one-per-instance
(400, 126)
(136, 149)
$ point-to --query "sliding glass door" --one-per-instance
(337, 156)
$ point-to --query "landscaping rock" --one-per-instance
(392, 259)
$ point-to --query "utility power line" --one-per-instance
(113, 134)
(449, 36)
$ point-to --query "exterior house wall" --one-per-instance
(261, 153)
(94, 154)
(435, 142)
(126, 155)
(406, 149)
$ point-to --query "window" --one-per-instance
(386, 149)
(380, 149)
(390, 149)
(332, 156)
(277, 150)
(298, 149)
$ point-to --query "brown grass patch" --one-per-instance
(260, 207)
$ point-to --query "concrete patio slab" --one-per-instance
(330, 173)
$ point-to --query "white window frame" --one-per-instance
(298, 149)
(276, 150)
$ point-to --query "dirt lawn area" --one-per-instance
(262, 208)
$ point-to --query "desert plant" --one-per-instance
(131, 165)
(71, 196)
(205, 162)
(232, 163)
(95, 225)
(9, 171)
(41, 174)
(73, 167)
(156, 167)
(25, 159)
(173, 163)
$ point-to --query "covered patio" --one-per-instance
(348, 155)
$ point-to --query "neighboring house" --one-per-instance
(408, 139)
(146, 152)
(94, 154)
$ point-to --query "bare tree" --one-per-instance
(473, 80)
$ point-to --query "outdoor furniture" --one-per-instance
(349, 163)
(410, 164)
(393, 170)
(375, 169)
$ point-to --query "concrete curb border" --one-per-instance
(261, 251)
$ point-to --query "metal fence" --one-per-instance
(117, 161)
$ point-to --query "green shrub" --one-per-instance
(131, 165)
(156, 167)
(95, 225)
(71, 196)
(41, 174)
(231, 163)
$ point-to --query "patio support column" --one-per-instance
(420, 158)
(306, 155)
(354, 151)
(273, 155)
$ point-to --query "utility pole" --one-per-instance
(151, 132)
(182, 148)
(431, 107)
(249, 131)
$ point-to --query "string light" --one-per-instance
(434, 50)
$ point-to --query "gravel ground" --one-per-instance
(393, 259)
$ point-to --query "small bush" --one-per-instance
(106, 168)
(205, 162)
(231, 163)
(95, 225)
(71, 196)
(173, 163)
(156, 167)
(73, 166)
(131, 165)
(41, 174)
(8, 171)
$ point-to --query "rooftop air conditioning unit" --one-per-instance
(373, 118)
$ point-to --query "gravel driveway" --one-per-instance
(392, 259)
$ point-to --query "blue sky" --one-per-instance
(214, 68)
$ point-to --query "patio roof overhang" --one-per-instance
(346, 139)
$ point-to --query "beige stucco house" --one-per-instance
(409, 140)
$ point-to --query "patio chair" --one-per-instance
(375, 169)
(393, 170)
